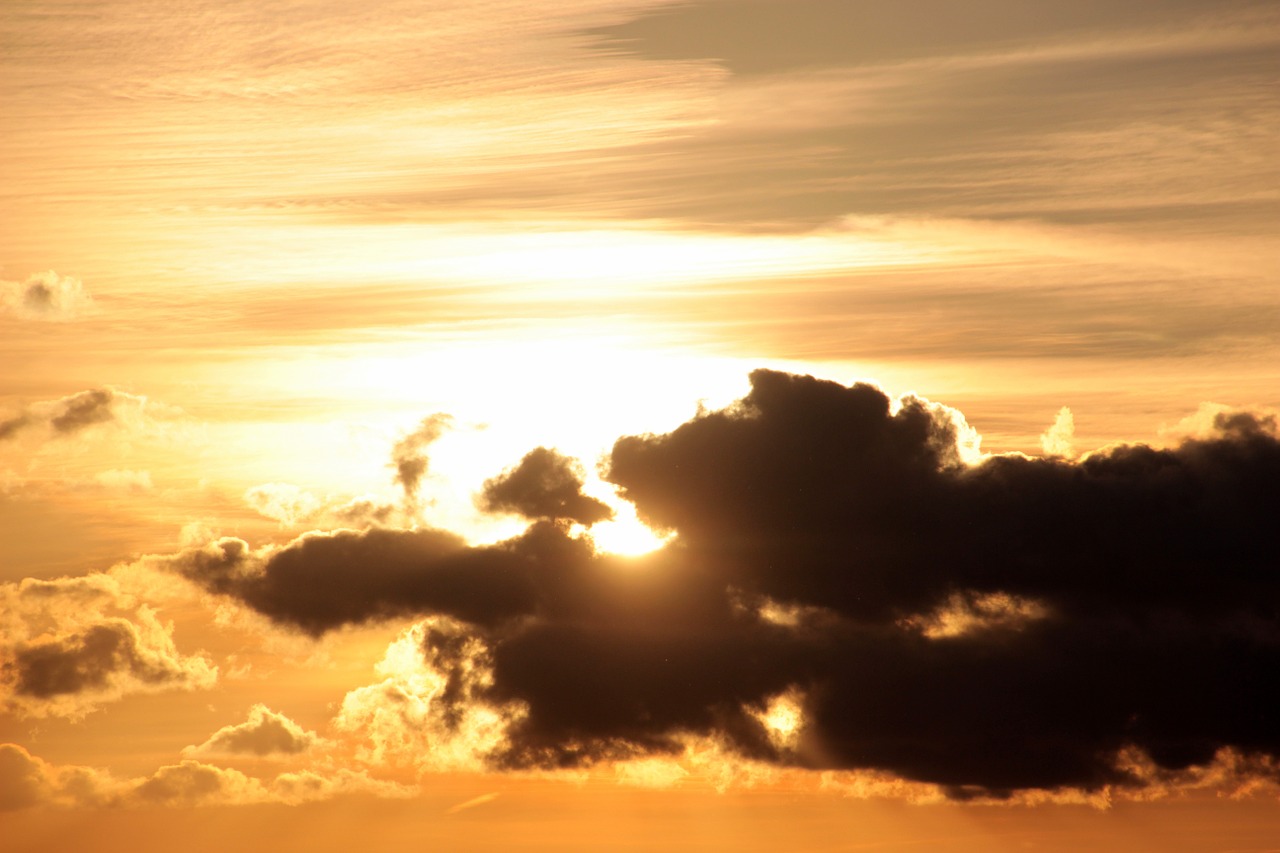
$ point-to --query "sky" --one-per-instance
(816, 425)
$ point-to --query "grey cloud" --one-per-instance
(1020, 624)
(409, 459)
(71, 645)
(71, 414)
(92, 661)
(83, 409)
(545, 484)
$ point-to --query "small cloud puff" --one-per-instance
(264, 733)
(45, 296)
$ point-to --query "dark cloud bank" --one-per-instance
(1009, 626)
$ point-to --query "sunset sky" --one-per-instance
(630, 424)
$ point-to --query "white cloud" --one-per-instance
(1059, 439)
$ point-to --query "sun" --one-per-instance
(627, 536)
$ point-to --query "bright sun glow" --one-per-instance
(566, 260)
(625, 535)
(783, 718)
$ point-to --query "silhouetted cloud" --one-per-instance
(408, 458)
(1023, 623)
(322, 581)
(72, 644)
(546, 485)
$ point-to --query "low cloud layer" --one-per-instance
(1019, 624)
(28, 781)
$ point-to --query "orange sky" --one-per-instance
(274, 271)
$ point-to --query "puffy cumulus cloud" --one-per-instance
(993, 629)
(192, 783)
(430, 710)
(73, 644)
(27, 780)
(45, 296)
(1059, 439)
(409, 458)
(1213, 419)
(264, 733)
(546, 485)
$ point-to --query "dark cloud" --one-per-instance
(546, 485)
(1018, 624)
(70, 414)
(90, 662)
(69, 645)
(323, 581)
(408, 458)
(84, 409)
(10, 427)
